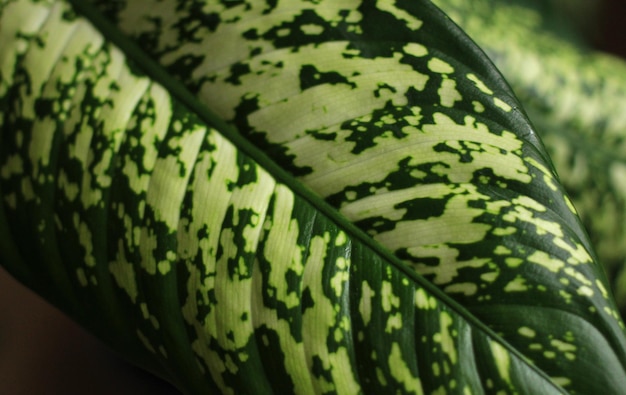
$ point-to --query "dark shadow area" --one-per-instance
(612, 30)
(42, 352)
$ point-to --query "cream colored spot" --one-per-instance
(526, 332)
(502, 105)
(411, 21)
(415, 49)
(444, 337)
(479, 84)
(517, 285)
(401, 372)
(448, 94)
(466, 289)
(311, 29)
(437, 65)
(502, 360)
(365, 305)
(543, 259)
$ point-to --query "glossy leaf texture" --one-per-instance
(479, 214)
(214, 268)
(576, 96)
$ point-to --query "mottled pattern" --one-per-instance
(206, 264)
(576, 97)
(456, 182)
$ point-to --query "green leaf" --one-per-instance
(184, 246)
(575, 96)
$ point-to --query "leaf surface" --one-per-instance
(215, 268)
(575, 96)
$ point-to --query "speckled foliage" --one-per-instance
(309, 197)
(576, 97)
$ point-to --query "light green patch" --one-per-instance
(339, 279)
(478, 106)
(411, 21)
(602, 289)
(282, 241)
(444, 336)
(70, 189)
(479, 84)
(341, 239)
(389, 300)
(86, 240)
(435, 369)
(402, 373)
(502, 250)
(311, 29)
(147, 247)
(278, 223)
(549, 354)
(167, 185)
(40, 147)
(39, 71)
(290, 101)
(562, 381)
(284, 32)
(543, 259)
(548, 177)
(343, 377)
(517, 285)
(578, 255)
(380, 376)
(456, 225)
(82, 277)
(567, 297)
(466, 289)
(423, 301)
(365, 305)
(502, 105)
(18, 18)
(563, 346)
(527, 332)
(13, 166)
(448, 269)
(124, 273)
(509, 230)
(502, 360)
(439, 66)
(543, 226)
(415, 49)
(394, 322)
(489, 277)
(164, 267)
(513, 262)
(585, 291)
(446, 129)
(448, 94)
(529, 203)
(323, 311)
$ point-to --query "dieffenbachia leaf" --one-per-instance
(212, 267)
(333, 90)
(576, 96)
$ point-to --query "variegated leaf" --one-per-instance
(576, 96)
(214, 268)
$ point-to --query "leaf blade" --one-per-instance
(160, 314)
